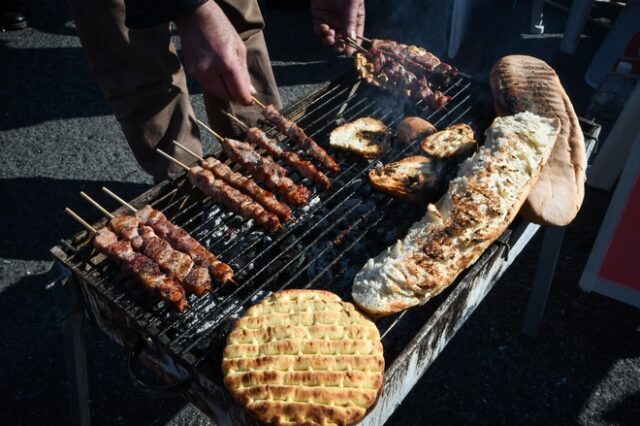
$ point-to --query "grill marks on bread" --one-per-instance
(304, 357)
(478, 206)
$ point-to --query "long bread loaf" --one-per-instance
(523, 83)
(478, 206)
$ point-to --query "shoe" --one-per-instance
(13, 15)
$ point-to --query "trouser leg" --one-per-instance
(142, 80)
(247, 19)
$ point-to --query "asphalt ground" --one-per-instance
(58, 137)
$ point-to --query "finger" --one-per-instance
(350, 17)
(328, 40)
(360, 25)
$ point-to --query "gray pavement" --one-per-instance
(58, 137)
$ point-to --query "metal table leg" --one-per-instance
(69, 300)
(549, 253)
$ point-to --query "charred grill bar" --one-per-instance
(324, 246)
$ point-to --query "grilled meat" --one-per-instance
(266, 171)
(233, 199)
(144, 269)
(182, 241)
(195, 279)
(276, 150)
(298, 136)
(249, 187)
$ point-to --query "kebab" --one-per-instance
(408, 69)
(277, 150)
(179, 239)
(298, 136)
(228, 196)
(244, 184)
(263, 169)
(143, 269)
(194, 278)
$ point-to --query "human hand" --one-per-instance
(334, 20)
(214, 54)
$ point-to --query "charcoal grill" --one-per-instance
(324, 247)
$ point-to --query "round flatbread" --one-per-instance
(304, 357)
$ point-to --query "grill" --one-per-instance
(324, 247)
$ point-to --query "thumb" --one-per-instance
(350, 18)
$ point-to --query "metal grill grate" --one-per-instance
(324, 247)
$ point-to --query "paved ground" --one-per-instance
(58, 137)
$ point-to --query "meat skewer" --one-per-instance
(276, 150)
(143, 269)
(263, 169)
(194, 278)
(179, 239)
(244, 184)
(228, 196)
(298, 136)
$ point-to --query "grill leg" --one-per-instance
(549, 253)
(68, 295)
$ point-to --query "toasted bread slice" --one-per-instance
(453, 141)
(412, 128)
(365, 136)
(411, 179)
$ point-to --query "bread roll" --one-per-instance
(479, 205)
(453, 141)
(522, 83)
(413, 128)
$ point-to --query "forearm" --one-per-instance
(147, 13)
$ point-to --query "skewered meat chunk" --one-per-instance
(233, 199)
(195, 279)
(276, 150)
(298, 136)
(266, 171)
(144, 269)
(249, 187)
(182, 241)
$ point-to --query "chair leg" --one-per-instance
(549, 253)
(537, 15)
(68, 296)
(578, 16)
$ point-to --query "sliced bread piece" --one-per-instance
(453, 141)
(365, 136)
(411, 179)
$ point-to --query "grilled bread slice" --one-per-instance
(453, 141)
(365, 136)
(411, 179)
(478, 206)
(522, 83)
(413, 128)
(304, 357)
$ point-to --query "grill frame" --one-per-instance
(129, 322)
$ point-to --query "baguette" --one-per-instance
(523, 83)
(412, 178)
(365, 136)
(453, 141)
(479, 205)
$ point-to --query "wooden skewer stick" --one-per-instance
(368, 40)
(239, 122)
(354, 44)
(120, 200)
(81, 220)
(187, 150)
(95, 204)
(170, 158)
(217, 135)
(260, 104)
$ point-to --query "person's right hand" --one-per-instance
(214, 53)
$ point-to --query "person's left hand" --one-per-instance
(334, 20)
